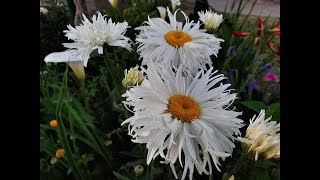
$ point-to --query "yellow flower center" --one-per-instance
(184, 108)
(177, 38)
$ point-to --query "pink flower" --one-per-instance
(271, 77)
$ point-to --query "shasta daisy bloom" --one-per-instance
(174, 43)
(89, 36)
(262, 137)
(210, 20)
(179, 115)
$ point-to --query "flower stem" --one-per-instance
(114, 79)
(84, 94)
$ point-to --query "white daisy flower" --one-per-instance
(211, 20)
(93, 35)
(262, 137)
(174, 44)
(176, 113)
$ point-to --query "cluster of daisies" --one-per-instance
(180, 105)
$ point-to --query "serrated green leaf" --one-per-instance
(254, 105)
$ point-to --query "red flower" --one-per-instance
(276, 30)
(269, 45)
(260, 26)
(240, 33)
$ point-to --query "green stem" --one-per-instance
(84, 93)
(114, 79)
(238, 165)
(62, 131)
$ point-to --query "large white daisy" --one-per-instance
(262, 137)
(174, 43)
(89, 36)
(176, 113)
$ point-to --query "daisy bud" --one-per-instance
(138, 169)
(262, 138)
(210, 20)
(132, 77)
(53, 160)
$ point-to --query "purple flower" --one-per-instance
(271, 77)
(266, 67)
(233, 50)
(252, 85)
(245, 49)
(228, 74)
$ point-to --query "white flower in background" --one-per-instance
(176, 113)
(162, 12)
(132, 77)
(113, 3)
(94, 35)
(71, 58)
(43, 10)
(174, 4)
(211, 20)
(174, 44)
(262, 137)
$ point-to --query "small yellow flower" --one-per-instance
(60, 153)
(54, 123)
(132, 77)
(138, 169)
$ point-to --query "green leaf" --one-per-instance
(120, 177)
(274, 111)
(254, 105)
(266, 164)
(260, 174)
